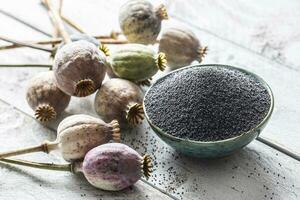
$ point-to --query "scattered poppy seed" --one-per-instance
(207, 103)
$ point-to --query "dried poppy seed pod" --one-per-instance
(111, 167)
(181, 47)
(114, 166)
(122, 100)
(78, 134)
(140, 21)
(45, 98)
(79, 68)
(137, 62)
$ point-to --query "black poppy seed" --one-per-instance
(207, 103)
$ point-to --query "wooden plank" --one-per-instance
(30, 11)
(251, 173)
(189, 178)
(269, 28)
(26, 183)
(284, 81)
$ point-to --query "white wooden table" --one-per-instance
(261, 36)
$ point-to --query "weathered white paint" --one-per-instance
(189, 178)
(268, 27)
(283, 81)
(26, 183)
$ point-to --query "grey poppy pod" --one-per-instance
(79, 68)
(140, 21)
(77, 134)
(122, 100)
(181, 47)
(45, 98)
(114, 166)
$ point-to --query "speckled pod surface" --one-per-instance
(43, 95)
(79, 68)
(140, 21)
(78, 134)
(112, 166)
(136, 62)
(181, 47)
(113, 99)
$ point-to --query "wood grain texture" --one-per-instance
(251, 173)
(27, 183)
(283, 80)
(269, 28)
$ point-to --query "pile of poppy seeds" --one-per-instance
(207, 103)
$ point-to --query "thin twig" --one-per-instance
(34, 46)
(60, 7)
(26, 65)
(22, 21)
(56, 19)
(72, 24)
(103, 40)
(38, 165)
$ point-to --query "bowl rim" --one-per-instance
(257, 127)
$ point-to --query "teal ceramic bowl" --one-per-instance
(218, 148)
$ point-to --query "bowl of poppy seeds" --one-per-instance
(208, 110)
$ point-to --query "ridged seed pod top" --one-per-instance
(140, 21)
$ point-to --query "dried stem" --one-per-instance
(57, 21)
(103, 40)
(34, 46)
(60, 7)
(26, 23)
(72, 24)
(44, 147)
(26, 65)
(38, 165)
